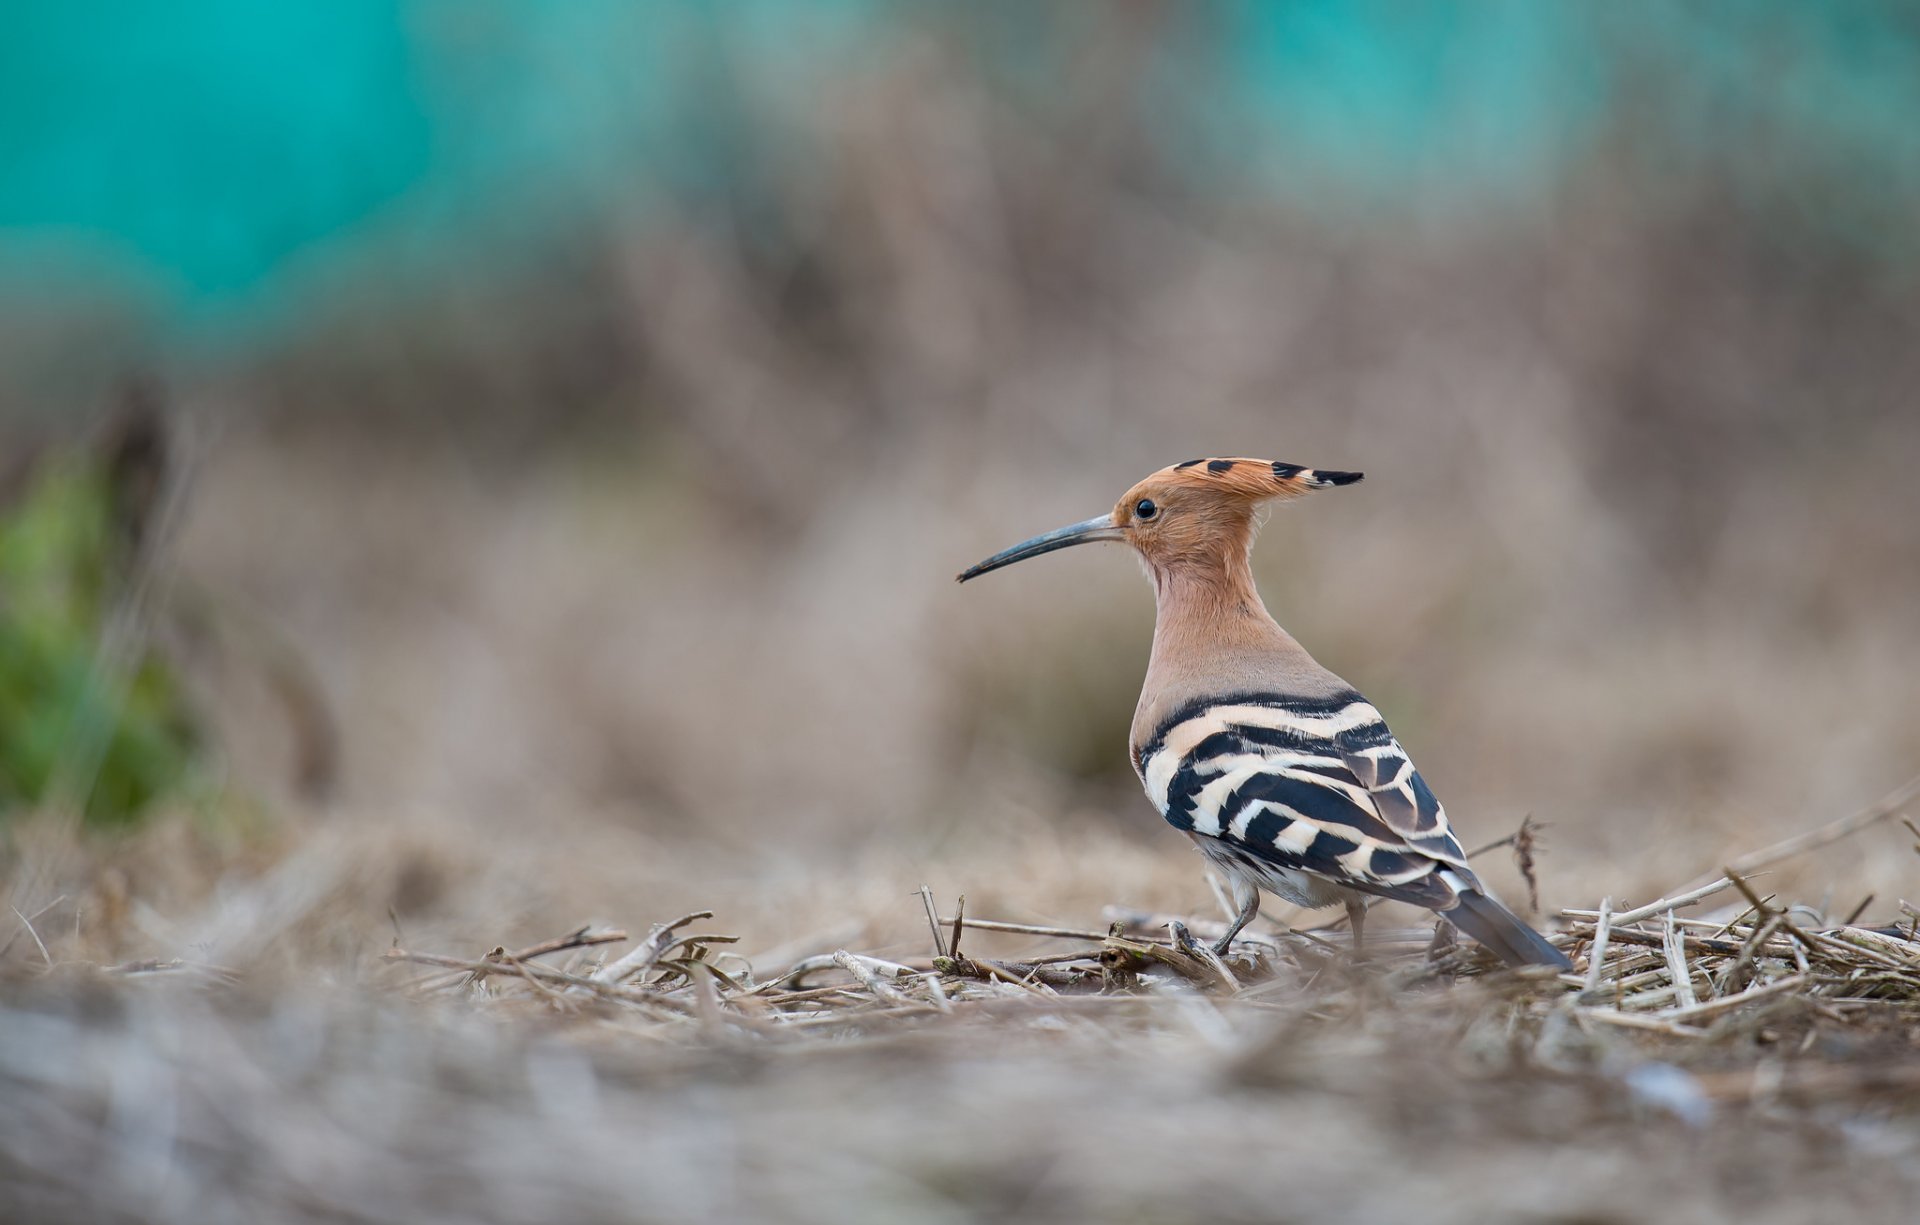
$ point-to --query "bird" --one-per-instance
(1284, 777)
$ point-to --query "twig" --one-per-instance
(1525, 841)
(515, 963)
(1713, 927)
(1183, 940)
(146, 965)
(1039, 970)
(933, 921)
(1495, 845)
(810, 994)
(28, 924)
(863, 970)
(1809, 940)
(1744, 916)
(1126, 955)
(998, 973)
(686, 966)
(696, 945)
(579, 937)
(1022, 929)
(1597, 955)
(1634, 1020)
(937, 992)
(1736, 974)
(650, 950)
(1677, 967)
(628, 995)
(157, 965)
(706, 998)
(1711, 1007)
(1835, 943)
(797, 972)
(1864, 937)
(1832, 831)
(1666, 904)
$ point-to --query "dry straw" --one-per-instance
(1707, 1039)
(1646, 968)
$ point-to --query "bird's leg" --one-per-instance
(1246, 895)
(1357, 923)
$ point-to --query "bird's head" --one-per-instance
(1197, 514)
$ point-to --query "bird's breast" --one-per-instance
(1243, 732)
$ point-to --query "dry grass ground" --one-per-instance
(268, 1052)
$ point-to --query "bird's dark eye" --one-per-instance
(1145, 509)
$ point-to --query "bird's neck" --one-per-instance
(1208, 610)
(1213, 637)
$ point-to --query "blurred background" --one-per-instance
(512, 458)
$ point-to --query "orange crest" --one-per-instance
(1195, 517)
(1197, 513)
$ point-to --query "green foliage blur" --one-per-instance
(71, 730)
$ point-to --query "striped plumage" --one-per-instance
(1283, 776)
(1313, 800)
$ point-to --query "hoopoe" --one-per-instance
(1284, 776)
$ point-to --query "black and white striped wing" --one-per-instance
(1312, 785)
(1400, 796)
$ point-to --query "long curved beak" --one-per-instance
(1100, 528)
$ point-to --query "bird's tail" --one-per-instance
(1500, 930)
